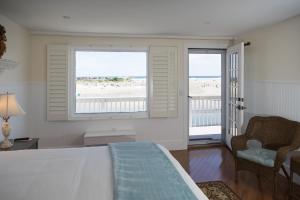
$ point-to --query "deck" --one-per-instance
(205, 130)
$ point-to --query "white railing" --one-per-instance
(100, 105)
(205, 111)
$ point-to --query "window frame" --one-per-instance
(106, 115)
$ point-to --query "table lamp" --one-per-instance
(8, 107)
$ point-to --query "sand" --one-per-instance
(137, 88)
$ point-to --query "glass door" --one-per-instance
(206, 81)
(235, 91)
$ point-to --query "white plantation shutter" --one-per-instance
(57, 82)
(163, 81)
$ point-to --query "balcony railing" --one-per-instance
(103, 105)
(204, 110)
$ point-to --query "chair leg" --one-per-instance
(274, 185)
(291, 186)
(259, 182)
(236, 176)
(285, 172)
(236, 172)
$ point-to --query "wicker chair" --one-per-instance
(277, 135)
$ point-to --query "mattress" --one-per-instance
(65, 174)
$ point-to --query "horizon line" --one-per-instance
(141, 76)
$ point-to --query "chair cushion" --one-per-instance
(261, 156)
(254, 144)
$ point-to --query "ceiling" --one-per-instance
(206, 18)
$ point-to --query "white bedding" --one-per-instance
(64, 174)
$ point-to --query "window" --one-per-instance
(109, 81)
(90, 83)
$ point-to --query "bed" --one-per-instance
(66, 174)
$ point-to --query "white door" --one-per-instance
(234, 91)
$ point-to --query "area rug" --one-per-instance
(217, 190)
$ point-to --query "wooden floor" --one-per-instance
(216, 163)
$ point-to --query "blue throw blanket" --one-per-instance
(143, 172)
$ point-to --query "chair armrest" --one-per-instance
(238, 143)
(281, 155)
(273, 146)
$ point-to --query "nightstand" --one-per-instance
(33, 143)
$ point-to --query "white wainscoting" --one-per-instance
(269, 97)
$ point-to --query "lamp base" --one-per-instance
(5, 131)
(6, 144)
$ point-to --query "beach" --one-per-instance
(137, 88)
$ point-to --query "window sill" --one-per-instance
(108, 116)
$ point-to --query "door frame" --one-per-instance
(205, 44)
(222, 52)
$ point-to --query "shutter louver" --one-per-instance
(57, 82)
(164, 81)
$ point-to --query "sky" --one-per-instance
(135, 64)
(204, 64)
(111, 63)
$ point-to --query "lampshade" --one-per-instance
(9, 106)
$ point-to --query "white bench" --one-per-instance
(95, 138)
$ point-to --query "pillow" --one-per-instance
(254, 144)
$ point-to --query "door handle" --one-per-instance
(240, 99)
(190, 97)
(239, 107)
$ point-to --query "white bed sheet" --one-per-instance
(64, 174)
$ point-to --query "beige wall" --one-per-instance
(28, 82)
(169, 132)
(274, 53)
(272, 64)
(272, 70)
(16, 80)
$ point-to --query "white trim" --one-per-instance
(109, 115)
(185, 92)
(110, 48)
(87, 34)
(206, 44)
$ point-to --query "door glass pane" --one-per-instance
(205, 92)
(233, 93)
